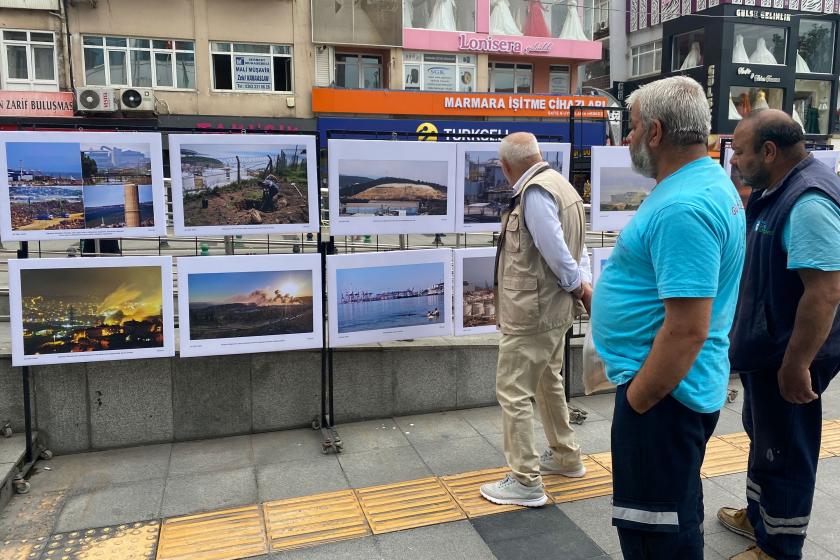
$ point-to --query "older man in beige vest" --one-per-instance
(542, 273)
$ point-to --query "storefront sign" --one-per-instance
(36, 104)
(30, 4)
(761, 14)
(490, 44)
(381, 102)
(758, 78)
(252, 72)
(440, 78)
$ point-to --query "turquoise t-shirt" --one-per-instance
(811, 234)
(686, 241)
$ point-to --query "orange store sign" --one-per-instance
(36, 104)
(384, 102)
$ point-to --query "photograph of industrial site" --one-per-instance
(91, 309)
(475, 309)
(622, 189)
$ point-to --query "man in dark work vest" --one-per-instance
(785, 341)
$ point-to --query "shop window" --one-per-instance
(510, 78)
(597, 74)
(816, 47)
(124, 61)
(439, 71)
(688, 50)
(559, 80)
(29, 59)
(452, 15)
(359, 22)
(359, 71)
(646, 59)
(743, 100)
(811, 105)
(759, 44)
(251, 67)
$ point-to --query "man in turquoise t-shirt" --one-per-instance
(661, 316)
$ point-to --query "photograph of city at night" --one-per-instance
(91, 309)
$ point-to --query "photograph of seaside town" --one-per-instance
(244, 184)
(70, 185)
(623, 190)
(370, 188)
(477, 290)
(246, 304)
(486, 191)
(91, 309)
(385, 297)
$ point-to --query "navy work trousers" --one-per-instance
(784, 451)
(657, 492)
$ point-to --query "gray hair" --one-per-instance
(679, 104)
(519, 148)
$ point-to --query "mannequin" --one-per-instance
(734, 115)
(739, 53)
(694, 58)
(535, 25)
(760, 101)
(572, 28)
(501, 19)
(443, 16)
(801, 64)
(761, 55)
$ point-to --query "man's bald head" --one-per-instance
(518, 152)
(772, 125)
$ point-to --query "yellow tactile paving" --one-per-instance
(132, 541)
(464, 488)
(219, 535)
(311, 520)
(596, 482)
(25, 549)
(405, 505)
(831, 437)
(30, 515)
(603, 459)
(740, 440)
(723, 457)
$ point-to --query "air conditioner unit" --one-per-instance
(137, 99)
(96, 99)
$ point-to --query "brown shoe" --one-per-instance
(736, 521)
(752, 553)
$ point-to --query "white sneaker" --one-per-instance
(510, 491)
(570, 466)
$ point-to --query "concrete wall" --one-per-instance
(101, 405)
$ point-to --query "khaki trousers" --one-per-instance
(529, 368)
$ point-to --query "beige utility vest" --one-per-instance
(528, 298)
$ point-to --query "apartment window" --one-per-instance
(138, 62)
(362, 71)
(29, 58)
(646, 59)
(251, 67)
(601, 17)
(510, 78)
(439, 71)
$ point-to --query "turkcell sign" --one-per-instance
(252, 72)
(587, 134)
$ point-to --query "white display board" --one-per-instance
(483, 190)
(376, 297)
(90, 309)
(388, 187)
(245, 304)
(72, 185)
(475, 308)
(243, 184)
(617, 190)
(828, 157)
(600, 256)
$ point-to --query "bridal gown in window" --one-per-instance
(443, 16)
(739, 53)
(797, 118)
(407, 9)
(801, 65)
(761, 55)
(694, 57)
(734, 115)
(535, 25)
(501, 19)
(572, 28)
(349, 22)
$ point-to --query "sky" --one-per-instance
(479, 270)
(616, 180)
(131, 291)
(45, 156)
(224, 151)
(240, 287)
(378, 279)
(432, 171)
(104, 195)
